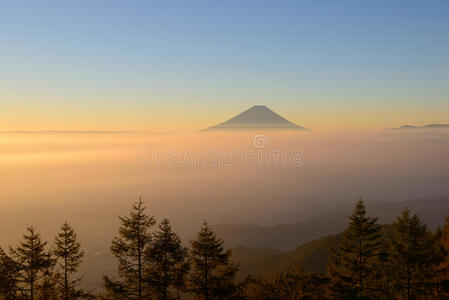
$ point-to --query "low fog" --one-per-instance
(90, 179)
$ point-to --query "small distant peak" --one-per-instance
(429, 126)
(404, 127)
(435, 125)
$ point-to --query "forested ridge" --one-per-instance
(402, 260)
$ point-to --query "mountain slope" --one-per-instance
(257, 117)
(312, 256)
(289, 236)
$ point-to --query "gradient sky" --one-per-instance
(168, 65)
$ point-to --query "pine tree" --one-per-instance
(68, 250)
(180, 281)
(352, 264)
(412, 251)
(47, 286)
(287, 284)
(167, 259)
(33, 261)
(314, 286)
(384, 270)
(290, 284)
(212, 274)
(442, 289)
(129, 248)
(8, 276)
(438, 264)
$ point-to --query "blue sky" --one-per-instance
(166, 64)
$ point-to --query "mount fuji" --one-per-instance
(256, 117)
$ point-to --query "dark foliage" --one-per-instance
(402, 261)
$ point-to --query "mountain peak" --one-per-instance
(256, 117)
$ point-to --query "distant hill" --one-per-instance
(289, 236)
(429, 126)
(312, 256)
(255, 261)
(256, 117)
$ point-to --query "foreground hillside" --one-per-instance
(261, 250)
(404, 260)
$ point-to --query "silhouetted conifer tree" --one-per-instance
(438, 265)
(8, 276)
(287, 284)
(68, 251)
(167, 261)
(442, 270)
(180, 283)
(296, 284)
(33, 261)
(212, 275)
(47, 286)
(291, 284)
(352, 264)
(129, 248)
(412, 251)
(383, 271)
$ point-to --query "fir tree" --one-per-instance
(33, 261)
(442, 271)
(129, 248)
(384, 270)
(181, 272)
(412, 251)
(212, 274)
(47, 286)
(8, 276)
(167, 260)
(438, 264)
(68, 250)
(352, 264)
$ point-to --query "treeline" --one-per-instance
(404, 260)
(152, 263)
(31, 271)
(155, 265)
